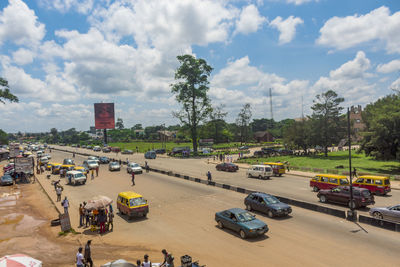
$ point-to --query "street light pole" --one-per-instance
(351, 214)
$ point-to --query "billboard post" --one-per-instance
(104, 117)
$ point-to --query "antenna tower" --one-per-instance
(270, 103)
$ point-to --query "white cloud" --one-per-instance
(63, 6)
(18, 24)
(395, 85)
(392, 66)
(23, 56)
(299, 2)
(250, 20)
(378, 25)
(287, 28)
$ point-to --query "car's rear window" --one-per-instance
(365, 193)
(137, 201)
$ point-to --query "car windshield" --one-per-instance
(6, 177)
(135, 165)
(79, 175)
(92, 162)
(137, 201)
(344, 181)
(245, 217)
(271, 200)
(114, 163)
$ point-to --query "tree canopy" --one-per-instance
(5, 93)
(191, 89)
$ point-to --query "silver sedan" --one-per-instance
(391, 213)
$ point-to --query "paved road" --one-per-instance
(181, 219)
(289, 186)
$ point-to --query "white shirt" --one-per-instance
(146, 264)
(79, 258)
(66, 204)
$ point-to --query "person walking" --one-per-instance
(102, 220)
(97, 171)
(58, 192)
(209, 176)
(87, 215)
(56, 184)
(146, 262)
(168, 259)
(81, 215)
(355, 172)
(111, 221)
(79, 258)
(133, 178)
(88, 254)
(92, 173)
(65, 204)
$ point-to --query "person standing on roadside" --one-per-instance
(81, 215)
(146, 262)
(88, 254)
(355, 172)
(133, 178)
(65, 204)
(58, 192)
(92, 172)
(110, 221)
(79, 258)
(97, 171)
(209, 176)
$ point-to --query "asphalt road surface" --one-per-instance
(181, 219)
(289, 186)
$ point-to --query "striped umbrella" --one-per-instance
(19, 260)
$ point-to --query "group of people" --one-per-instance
(223, 158)
(85, 259)
(102, 218)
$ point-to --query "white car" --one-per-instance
(90, 164)
(94, 158)
(47, 156)
(76, 177)
(260, 171)
(114, 166)
(134, 167)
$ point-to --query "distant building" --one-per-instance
(166, 136)
(92, 130)
(358, 124)
(263, 136)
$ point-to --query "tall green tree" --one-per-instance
(298, 134)
(120, 124)
(191, 89)
(217, 121)
(3, 137)
(328, 127)
(243, 122)
(382, 133)
(5, 93)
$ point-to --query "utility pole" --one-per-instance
(351, 214)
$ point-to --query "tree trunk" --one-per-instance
(326, 151)
(194, 139)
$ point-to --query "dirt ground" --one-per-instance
(25, 215)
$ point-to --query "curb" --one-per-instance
(54, 204)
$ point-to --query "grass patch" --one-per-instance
(359, 161)
(64, 233)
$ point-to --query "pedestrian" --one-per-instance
(138, 263)
(81, 215)
(87, 215)
(58, 192)
(102, 220)
(88, 254)
(168, 259)
(92, 172)
(146, 262)
(127, 161)
(56, 184)
(133, 178)
(73, 155)
(65, 204)
(120, 162)
(209, 176)
(111, 221)
(79, 258)
(355, 172)
(97, 171)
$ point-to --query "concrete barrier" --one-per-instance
(379, 223)
(241, 190)
(211, 183)
(197, 180)
(177, 175)
(186, 177)
(226, 186)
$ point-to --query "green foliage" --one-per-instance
(276, 128)
(382, 133)
(5, 93)
(298, 134)
(327, 126)
(191, 89)
(120, 124)
(243, 121)
(3, 138)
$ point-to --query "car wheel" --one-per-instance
(260, 177)
(270, 214)
(378, 215)
(249, 175)
(315, 189)
(352, 204)
(280, 174)
(220, 224)
(322, 199)
(242, 234)
(248, 207)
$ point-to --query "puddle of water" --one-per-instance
(20, 222)
(13, 218)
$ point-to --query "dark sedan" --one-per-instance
(267, 204)
(341, 195)
(127, 151)
(6, 180)
(104, 160)
(241, 221)
(391, 213)
(227, 167)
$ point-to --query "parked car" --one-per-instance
(106, 150)
(341, 195)
(391, 213)
(260, 171)
(90, 164)
(243, 148)
(267, 204)
(89, 147)
(68, 162)
(47, 156)
(160, 151)
(127, 151)
(104, 160)
(76, 177)
(114, 166)
(8, 167)
(150, 155)
(241, 221)
(179, 150)
(227, 167)
(134, 167)
(94, 158)
(96, 148)
(258, 153)
(83, 146)
(6, 179)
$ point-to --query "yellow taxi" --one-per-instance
(55, 168)
(328, 181)
(278, 168)
(132, 204)
(81, 169)
(379, 185)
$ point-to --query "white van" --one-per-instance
(260, 171)
(76, 177)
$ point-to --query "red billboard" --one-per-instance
(104, 116)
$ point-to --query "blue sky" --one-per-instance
(61, 56)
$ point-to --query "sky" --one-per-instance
(62, 56)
